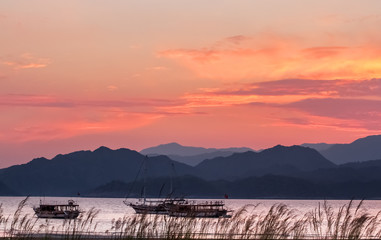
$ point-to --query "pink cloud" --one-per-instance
(56, 102)
(45, 118)
(26, 61)
(48, 128)
(321, 52)
(359, 112)
(343, 88)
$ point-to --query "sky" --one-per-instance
(76, 75)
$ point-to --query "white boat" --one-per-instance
(208, 209)
(64, 211)
(153, 206)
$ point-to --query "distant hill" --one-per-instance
(318, 146)
(196, 159)
(365, 164)
(179, 150)
(76, 172)
(363, 149)
(268, 186)
(278, 160)
(185, 186)
(190, 155)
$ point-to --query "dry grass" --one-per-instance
(350, 221)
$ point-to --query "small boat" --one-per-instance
(64, 211)
(212, 209)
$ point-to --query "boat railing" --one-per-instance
(58, 203)
(206, 203)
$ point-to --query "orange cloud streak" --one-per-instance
(44, 117)
(87, 122)
(242, 57)
(338, 104)
(26, 61)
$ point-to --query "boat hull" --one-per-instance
(149, 209)
(199, 214)
(181, 208)
(59, 215)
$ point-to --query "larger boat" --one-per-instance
(153, 206)
(181, 208)
(176, 207)
(63, 211)
(144, 206)
(208, 209)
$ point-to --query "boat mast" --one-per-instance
(171, 183)
(145, 179)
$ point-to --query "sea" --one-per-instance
(112, 209)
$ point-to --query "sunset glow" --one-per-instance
(77, 75)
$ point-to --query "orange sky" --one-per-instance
(80, 74)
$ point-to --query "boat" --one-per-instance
(63, 211)
(153, 206)
(208, 209)
(176, 207)
(156, 206)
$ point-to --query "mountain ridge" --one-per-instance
(362, 149)
(279, 160)
(180, 150)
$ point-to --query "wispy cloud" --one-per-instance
(323, 88)
(76, 125)
(271, 57)
(56, 102)
(112, 88)
(340, 104)
(323, 52)
(26, 61)
(51, 117)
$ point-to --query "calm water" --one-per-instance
(114, 208)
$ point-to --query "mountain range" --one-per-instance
(277, 172)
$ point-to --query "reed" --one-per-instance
(348, 222)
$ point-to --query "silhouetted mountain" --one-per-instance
(318, 146)
(6, 191)
(362, 149)
(179, 150)
(278, 172)
(79, 171)
(278, 160)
